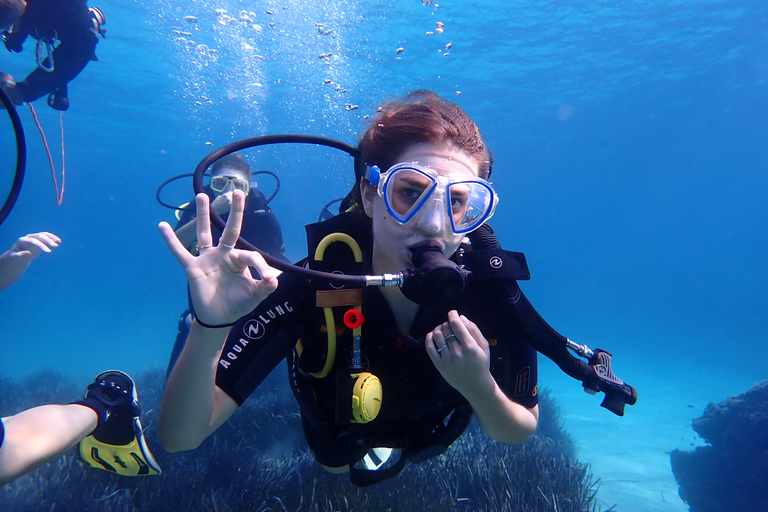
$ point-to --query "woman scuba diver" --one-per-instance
(382, 374)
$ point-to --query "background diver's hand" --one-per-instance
(222, 204)
(462, 355)
(221, 284)
(14, 262)
(29, 247)
(9, 86)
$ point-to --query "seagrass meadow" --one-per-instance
(259, 462)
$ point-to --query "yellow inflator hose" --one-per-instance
(327, 311)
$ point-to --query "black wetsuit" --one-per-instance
(69, 25)
(416, 399)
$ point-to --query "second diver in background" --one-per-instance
(66, 36)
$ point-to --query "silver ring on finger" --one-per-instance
(452, 337)
(442, 348)
(201, 247)
(225, 244)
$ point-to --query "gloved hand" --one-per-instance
(13, 42)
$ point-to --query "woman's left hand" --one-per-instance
(462, 355)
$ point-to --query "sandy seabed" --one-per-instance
(630, 454)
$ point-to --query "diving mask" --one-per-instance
(220, 183)
(409, 188)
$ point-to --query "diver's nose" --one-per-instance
(431, 218)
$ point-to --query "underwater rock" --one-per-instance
(730, 472)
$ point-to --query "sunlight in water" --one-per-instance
(231, 59)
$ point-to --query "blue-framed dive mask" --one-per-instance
(409, 188)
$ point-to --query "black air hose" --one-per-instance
(21, 155)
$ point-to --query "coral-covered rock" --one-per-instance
(729, 473)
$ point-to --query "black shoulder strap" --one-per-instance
(495, 264)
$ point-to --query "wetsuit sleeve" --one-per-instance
(263, 338)
(511, 308)
(543, 337)
(513, 356)
(515, 369)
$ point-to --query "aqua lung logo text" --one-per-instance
(254, 329)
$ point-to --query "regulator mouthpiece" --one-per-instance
(437, 282)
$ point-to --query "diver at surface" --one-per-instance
(104, 425)
(259, 223)
(66, 36)
(382, 375)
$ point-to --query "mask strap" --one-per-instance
(373, 174)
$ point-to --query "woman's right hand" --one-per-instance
(220, 281)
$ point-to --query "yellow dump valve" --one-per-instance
(366, 397)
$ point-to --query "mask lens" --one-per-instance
(240, 184)
(470, 203)
(405, 191)
(219, 183)
(406, 188)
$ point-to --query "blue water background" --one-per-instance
(630, 157)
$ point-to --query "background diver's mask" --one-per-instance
(410, 190)
(221, 184)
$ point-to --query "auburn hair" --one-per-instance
(421, 117)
